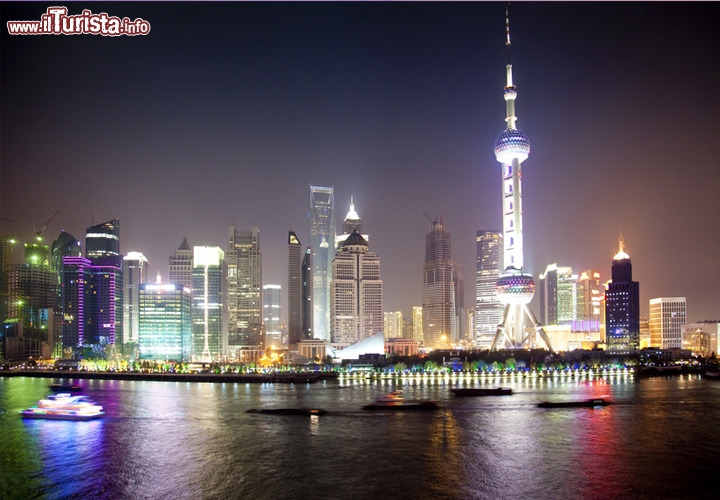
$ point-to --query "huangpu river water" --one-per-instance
(175, 440)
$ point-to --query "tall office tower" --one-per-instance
(417, 322)
(272, 314)
(488, 266)
(438, 290)
(165, 326)
(622, 305)
(209, 310)
(351, 223)
(181, 265)
(589, 293)
(322, 238)
(135, 273)
(558, 291)
(393, 325)
(667, 317)
(295, 289)
(307, 295)
(76, 276)
(103, 307)
(515, 288)
(244, 292)
(356, 298)
(461, 330)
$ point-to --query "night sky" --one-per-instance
(226, 112)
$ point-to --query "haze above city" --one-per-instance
(225, 113)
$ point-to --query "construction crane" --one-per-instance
(45, 222)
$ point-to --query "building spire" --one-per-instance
(510, 93)
(621, 249)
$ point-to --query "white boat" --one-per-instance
(65, 406)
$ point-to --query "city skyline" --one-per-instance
(224, 114)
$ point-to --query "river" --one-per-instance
(178, 440)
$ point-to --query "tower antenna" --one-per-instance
(507, 30)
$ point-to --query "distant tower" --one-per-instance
(307, 295)
(558, 291)
(135, 273)
(417, 323)
(622, 305)
(488, 266)
(356, 299)
(244, 288)
(667, 317)
(165, 328)
(590, 293)
(181, 265)
(439, 318)
(76, 276)
(322, 242)
(294, 289)
(515, 288)
(209, 333)
(272, 312)
(103, 307)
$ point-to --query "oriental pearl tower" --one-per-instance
(515, 288)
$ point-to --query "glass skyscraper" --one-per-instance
(438, 292)
(322, 244)
(164, 322)
(244, 288)
(488, 266)
(209, 332)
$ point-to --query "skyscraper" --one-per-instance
(417, 322)
(181, 265)
(294, 289)
(356, 299)
(307, 295)
(272, 313)
(209, 310)
(667, 317)
(558, 292)
(393, 325)
(515, 288)
(488, 266)
(439, 319)
(164, 329)
(589, 295)
(244, 288)
(322, 239)
(76, 276)
(103, 307)
(135, 273)
(622, 305)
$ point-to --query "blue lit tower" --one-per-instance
(515, 288)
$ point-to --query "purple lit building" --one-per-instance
(76, 274)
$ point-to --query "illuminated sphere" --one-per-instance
(510, 145)
(515, 287)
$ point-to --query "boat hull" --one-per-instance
(590, 403)
(60, 416)
(500, 391)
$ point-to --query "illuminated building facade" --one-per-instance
(622, 305)
(488, 266)
(103, 307)
(209, 320)
(590, 293)
(322, 239)
(244, 289)
(356, 298)
(181, 265)
(439, 315)
(165, 326)
(307, 295)
(515, 288)
(701, 338)
(272, 315)
(393, 325)
(297, 296)
(558, 295)
(417, 324)
(76, 276)
(135, 273)
(667, 317)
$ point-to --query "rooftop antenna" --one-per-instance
(507, 30)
